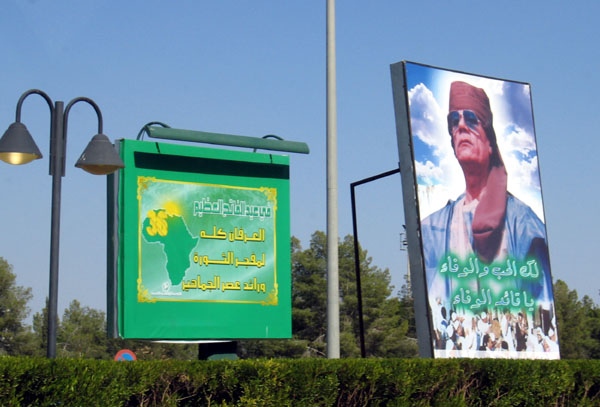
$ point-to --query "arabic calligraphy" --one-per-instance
(472, 268)
(514, 298)
(217, 284)
(229, 259)
(231, 208)
(237, 234)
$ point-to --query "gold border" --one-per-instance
(143, 294)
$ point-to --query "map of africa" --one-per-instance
(172, 233)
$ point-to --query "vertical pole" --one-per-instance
(361, 325)
(56, 170)
(333, 300)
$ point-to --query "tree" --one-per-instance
(593, 325)
(15, 337)
(385, 326)
(82, 333)
(578, 324)
(40, 331)
(309, 294)
(407, 307)
(570, 317)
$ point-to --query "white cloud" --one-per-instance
(522, 174)
(493, 88)
(518, 151)
(517, 139)
(427, 118)
(430, 173)
(522, 169)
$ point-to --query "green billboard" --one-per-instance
(200, 243)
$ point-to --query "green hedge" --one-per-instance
(302, 382)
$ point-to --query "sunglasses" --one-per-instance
(471, 120)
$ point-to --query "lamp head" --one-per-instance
(17, 146)
(100, 157)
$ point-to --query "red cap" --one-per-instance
(467, 97)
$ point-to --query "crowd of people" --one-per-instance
(495, 331)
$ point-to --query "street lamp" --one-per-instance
(99, 157)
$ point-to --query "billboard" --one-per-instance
(468, 146)
(201, 244)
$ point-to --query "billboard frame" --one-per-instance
(210, 169)
(428, 84)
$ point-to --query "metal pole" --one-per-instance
(361, 327)
(333, 296)
(57, 158)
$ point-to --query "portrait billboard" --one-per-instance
(202, 244)
(481, 234)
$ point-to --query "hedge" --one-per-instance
(299, 382)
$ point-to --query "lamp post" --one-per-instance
(99, 157)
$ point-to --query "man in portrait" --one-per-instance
(486, 224)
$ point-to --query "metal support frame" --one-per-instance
(353, 185)
(196, 136)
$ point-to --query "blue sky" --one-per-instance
(258, 67)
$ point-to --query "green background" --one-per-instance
(200, 318)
